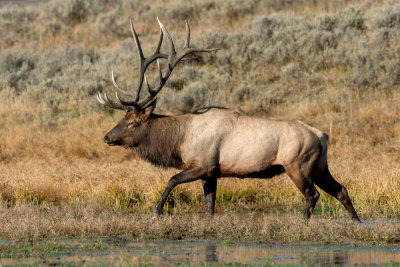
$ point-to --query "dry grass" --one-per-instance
(46, 221)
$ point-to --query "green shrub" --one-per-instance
(234, 9)
(70, 11)
(16, 68)
(15, 24)
(112, 23)
(75, 11)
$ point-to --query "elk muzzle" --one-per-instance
(111, 142)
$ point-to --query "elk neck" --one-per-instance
(161, 145)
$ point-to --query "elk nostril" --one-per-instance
(106, 139)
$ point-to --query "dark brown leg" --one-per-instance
(306, 187)
(210, 191)
(312, 197)
(327, 183)
(186, 176)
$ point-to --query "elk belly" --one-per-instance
(247, 151)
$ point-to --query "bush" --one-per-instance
(73, 71)
(192, 96)
(75, 11)
(112, 23)
(234, 9)
(351, 21)
(70, 11)
(16, 68)
(16, 24)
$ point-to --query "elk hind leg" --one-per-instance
(210, 191)
(327, 183)
(304, 183)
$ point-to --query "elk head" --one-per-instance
(132, 128)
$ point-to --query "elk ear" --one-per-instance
(149, 108)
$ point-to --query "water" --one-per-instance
(127, 250)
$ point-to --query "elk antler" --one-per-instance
(173, 58)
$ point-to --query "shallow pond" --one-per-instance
(108, 250)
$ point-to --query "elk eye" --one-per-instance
(133, 124)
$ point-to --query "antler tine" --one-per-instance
(107, 102)
(141, 61)
(171, 45)
(181, 54)
(136, 38)
(101, 100)
(144, 62)
(151, 91)
(173, 59)
(98, 96)
(127, 103)
(159, 42)
(159, 71)
(149, 60)
(116, 85)
(113, 80)
(107, 99)
(187, 43)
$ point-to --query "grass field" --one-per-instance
(332, 64)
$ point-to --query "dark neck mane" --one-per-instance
(161, 146)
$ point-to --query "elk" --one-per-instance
(214, 142)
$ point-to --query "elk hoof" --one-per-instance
(157, 212)
(210, 216)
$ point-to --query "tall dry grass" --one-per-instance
(51, 221)
(319, 62)
(67, 162)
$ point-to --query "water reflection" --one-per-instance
(340, 258)
(324, 256)
(164, 252)
(202, 251)
(211, 253)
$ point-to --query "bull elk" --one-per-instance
(215, 142)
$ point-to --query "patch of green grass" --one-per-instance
(40, 249)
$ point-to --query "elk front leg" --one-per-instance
(186, 176)
(210, 191)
